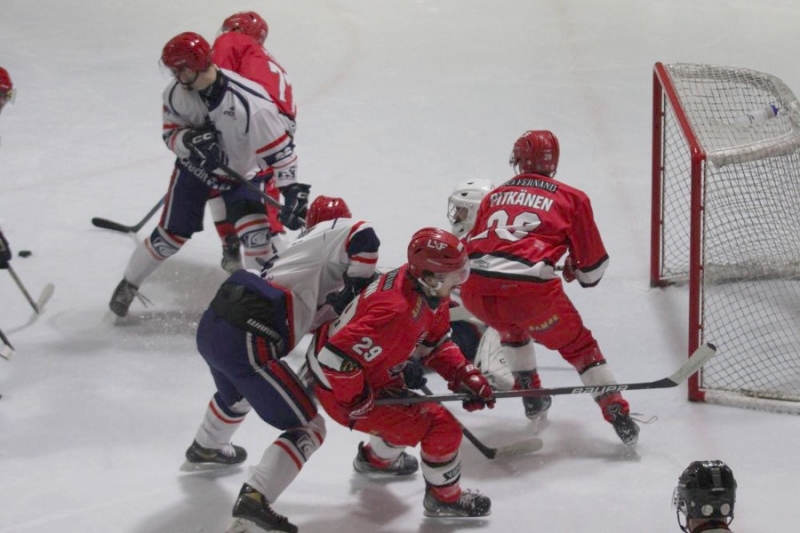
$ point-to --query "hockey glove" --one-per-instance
(5, 252)
(568, 273)
(204, 148)
(359, 409)
(470, 380)
(295, 205)
(352, 286)
(414, 374)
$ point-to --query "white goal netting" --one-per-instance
(747, 130)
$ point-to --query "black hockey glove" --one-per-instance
(352, 286)
(295, 205)
(414, 374)
(204, 148)
(5, 252)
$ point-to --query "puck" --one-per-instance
(25, 253)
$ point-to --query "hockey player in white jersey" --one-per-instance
(252, 323)
(212, 118)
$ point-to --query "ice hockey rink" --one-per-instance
(398, 101)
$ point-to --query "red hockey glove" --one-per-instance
(568, 273)
(360, 408)
(470, 380)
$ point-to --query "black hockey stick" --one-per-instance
(250, 185)
(522, 447)
(116, 226)
(692, 365)
(7, 349)
(37, 305)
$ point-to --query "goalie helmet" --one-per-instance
(326, 208)
(536, 152)
(436, 251)
(464, 202)
(248, 22)
(706, 490)
(187, 50)
(6, 87)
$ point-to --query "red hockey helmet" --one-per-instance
(536, 152)
(6, 87)
(326, 208)
(187, 50)
(248, 22)
(436, 251)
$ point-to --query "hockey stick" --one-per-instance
(692, 365)
(522, 447)
(116, 226)
(39, 304)
(252, 186)
(7, 348)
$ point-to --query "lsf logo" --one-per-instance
(436, 245)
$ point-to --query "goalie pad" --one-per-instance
(492, 362)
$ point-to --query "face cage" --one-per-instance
(459, 217)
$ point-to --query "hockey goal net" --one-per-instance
(726, 224)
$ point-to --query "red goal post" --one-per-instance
(725, 226)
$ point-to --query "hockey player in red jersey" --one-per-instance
(705, 497)
(240, 48)
(522, 229)
(361, 356)
(214, 117)
(252, 323)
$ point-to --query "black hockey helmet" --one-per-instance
(706, 489)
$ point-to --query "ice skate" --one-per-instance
(231, 259)
(535, 406)
(199, 458)
(469, 504)
(123, 296)
(404, 465)
(253, 514)
(626, 427)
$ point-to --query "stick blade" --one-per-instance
(113, 226)
(47, 293)
(517, 449)
(6, 352)
(694, 363)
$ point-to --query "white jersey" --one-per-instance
(253, 133)
(315, 264)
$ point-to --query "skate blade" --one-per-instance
(205, 467)
(537, 423)
(241, 525)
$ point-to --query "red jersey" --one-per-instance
(244, 55)
(369, 344)
(526, 225)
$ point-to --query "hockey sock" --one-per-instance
(442, 477)
(254, 232)
(221, 422)
(284, 458)
(149, 255)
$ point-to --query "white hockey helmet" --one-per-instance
(462, 206)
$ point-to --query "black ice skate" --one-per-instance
(535, 406)
(199, 458)
(231, 260)
(252, 509)
(626, 427)
(404, 465)
(469, 504)
(123, 296)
